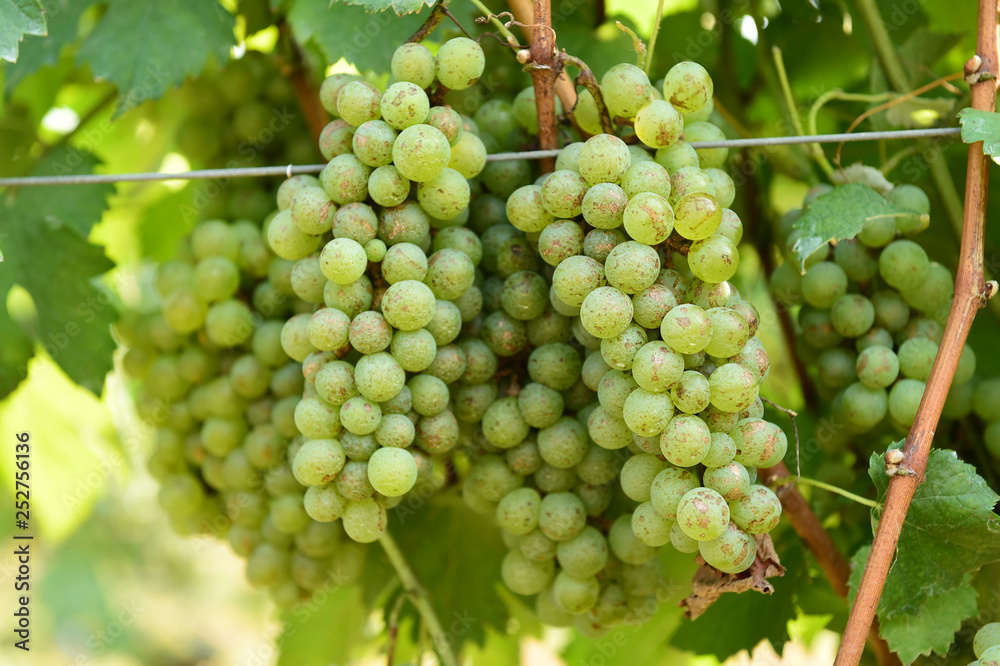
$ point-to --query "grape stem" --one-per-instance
(795, 428)
(652, 37)
(433, 21)
(307, 94)
(587, 79)
(508, 35)
(544, 72)
(390, 650)
(970, 295)
(813, 149)
(828, 487)
(420, 598)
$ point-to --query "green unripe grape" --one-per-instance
(328, 329)
(864, 406)
(495, 119)
(524, 576)
(690, 180)
(891, 311)
(852, 315)
(659, 124)
(837, 367)
(575, 595)
(318, 462)
(649, 527)
(525, 112)
(448, 121)
(668, 487)
(648, 218)
(355, 221)
(408, 305)
(335, 382)
(324, 503)
(421, 152)
(619, 351)
(447, 322)
(449, 273)
(987, 637)
(392, 471)
(598, 243)
(379, 377)
(647, 414)
(564, 444)
(586, 115)
(651, 305)
(703, 131)
(336, 139)
(758, 511)
(403, 105)
(624, 543)
(360, 416)
(604, 159)
(648, 177)
(525, 209)
(540, 405)
(504, 335)
(560, 240)
(904, 400)
(855, 259)
(414, 63)
(395, 430)
(632, 267)
(691, 394)
(732, 552)
(681, 541)
(372, 143)
(183, 310)
(317, 419)
(714, 259)
(604, 205)
(563, 193)
(562, 516)
(445, 196)
(686, 328)
(358, 102)
(637, 475)
(437, 434)
(607, 431)
(503, 426)
(688, 87)
(575, 278)
(733, 388)
(730, 480)
(656, 367)
(584, 555)
(677, 156)
(730, 332)
(703, 514)
(557, 365)
(229, 323)
(307, 280)
(903, 264)
(365, 520)
(912, 197)
(823, 284)
(916, 356)
(613, 388)
(722, 452)
(685, 440)
(345, 179)
(287, 240)
(460, 63)
(606, 312)
(697, 216)
(312, 210)
(626, 89)
(404, 261)
(934, 293)
(468, 155)
(330, 89)
(343, 261)
(725, 188)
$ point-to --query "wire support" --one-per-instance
(291, 170)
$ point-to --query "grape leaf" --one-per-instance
(840, 214)
(63, 16)
(145, 46)
(17, 19)
(306, 638)
(44, 233)
(950, 532)
(982, 126)
(349, 33)
(401, 7)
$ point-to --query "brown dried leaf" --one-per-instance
(709, 583)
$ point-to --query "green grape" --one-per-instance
(369, 332)
(429, 395)
(560, 240)
(677, 156)
(481, 362)
(391, 471)
(448, 121)
(414, 63)
(823, 284)
(613, 388)
(606, 312)
(352, 482)
(697, 216)
(731, 552)
(649, 527)
(229, 323)
(912, 197)
(817, 328)
(723, 449)
(403, 105)
(658, 124)
(266, 565)
(372, 143)
(603, 205)
(557, 365)
(468, 155)
(691, 394)
(651, 305)
(448, 364)
(725, 188)
(564, 444)
(421, 153)
(604, 159)
(704, 131)
(786, 284)
(408, 305)
(681, 541)
(524, 576)
(599, 467)
(308, 280)
(855, 259)
(668, 487)
(328, 329)
(471, 402)
(288, 515)
(921, 328)
(395, 430)
(330, 89)
(335, 139)
(503, 426)
(460, 63)
(287, 240)
(449, 273)
(703, 514)
(343, 261)
(365, 520)
(598, 243)
(626, 90)
(437, 434)
(988, 635)
(758, 511)
(526, 211)
(575, 278)
(495, 118)
(646, 177)
(690, 180)
(406, 223)
(637, 475)
(714, 259)
(647, 414)
(904, 400)
(355, 221)
(607, 431)
(864, 406)
(502, 178)
(934, 293)
(379, 377)
(656, 367)
(852, 315)
(733, 388)
(730, 480)
(990, 656)
(524, 458)
(685, 440)
(312, 210)
(916, 356)
(731, 226)
(504, 335)
(551, 479)
(584, 555)
(632, 267)
(562, 194)
(524, 295)
(730, 332)
(345, 180)
(648, 218)
(573, 595)
(875, 336)
(686, 328)
(219, 436)
(183, 310)
(837, 367)
(903, 264)
(625, 545)
(619, 352)
(562, 516)
(358, 102)
(215, 237)
(688, 87)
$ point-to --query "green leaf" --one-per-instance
(840, 214)
(17, 19)
(982, 126)
(401, 7)
(36, 52)
(350, 33)
(44, 233)
(950, 532)
(146, 46)
(319, 631)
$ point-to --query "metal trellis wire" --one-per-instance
(291, 170)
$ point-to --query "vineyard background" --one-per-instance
(145, 86)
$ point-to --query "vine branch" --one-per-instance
(524, 11)
(544, 71)
(587, 79)
(437, 15)
(970, 295)
(420, 599)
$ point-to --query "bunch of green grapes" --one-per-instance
(381, 255)
(636, 420)
(224, 400)
(873, 310)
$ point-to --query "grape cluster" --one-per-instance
(873, 313)
(225, 400)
